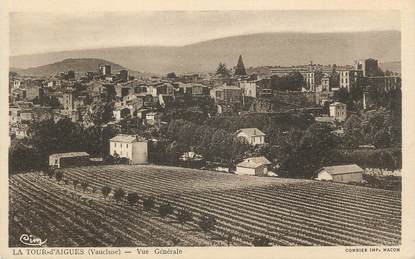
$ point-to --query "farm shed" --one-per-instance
(341, 173)
(68, 159)
(253, 166)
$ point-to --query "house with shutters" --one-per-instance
(132, 147)
(252, 135)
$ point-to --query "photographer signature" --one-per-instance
(31, 240)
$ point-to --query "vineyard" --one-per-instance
(286, 212)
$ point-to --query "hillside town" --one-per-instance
(153, 132)
(233, 120)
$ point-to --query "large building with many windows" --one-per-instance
(350, 78)
(105, 69)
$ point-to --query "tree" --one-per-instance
(184, 216)
(49, 137)
(294, 81)
(75, 183)
(318, 75)
(386, 160)
(326, 108)
(175, 241)
(92, 140)
(51, 173)
(334, 80)
(59, 176)
(149, 203)
(99, 112)
(50, 101)
(119, 194)
(382, 139)
(229, 239)
(165, 210)
(261, 241)
(240, 68)
(314, 147)
(171, 75)
(106, 191)
(376, 126)
(84, 185)
(174, 150)
(207, 223)
(353, 130)
(222, 70)
(132, 198)
(23, 158)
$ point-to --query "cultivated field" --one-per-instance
(288, 212)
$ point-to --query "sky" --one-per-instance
(32, 32)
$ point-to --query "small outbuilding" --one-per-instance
(253, 166)
(341, 173)
(61, 160)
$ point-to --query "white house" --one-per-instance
(250, 88)
(121, 113)
(310, 81)
(153, 119)
(131, 147)
(253, 166)
(338, 111)
(22, 131)
(341, 173)
(152, 89)
(253, 135)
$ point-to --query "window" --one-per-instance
(121, 145)
(127, 145)
(115, 144)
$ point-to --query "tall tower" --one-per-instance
(240, 68)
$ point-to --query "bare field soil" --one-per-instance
(288, 212)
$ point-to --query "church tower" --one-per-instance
(240, 68)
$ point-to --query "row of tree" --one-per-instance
(206, 222)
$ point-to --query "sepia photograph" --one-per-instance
(168, 129)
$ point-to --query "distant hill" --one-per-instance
(78, 65)
(394, 66)
(256, 49)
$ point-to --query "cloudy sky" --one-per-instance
(46, 32)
